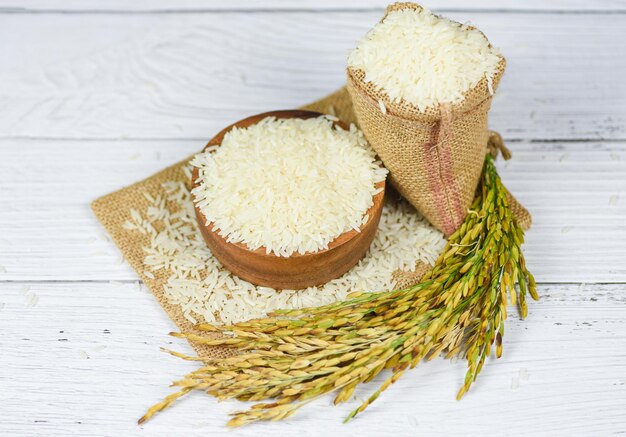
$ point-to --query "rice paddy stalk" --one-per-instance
(294, 356)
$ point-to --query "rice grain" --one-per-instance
(207, 292)
(287, 185)
(424, 59)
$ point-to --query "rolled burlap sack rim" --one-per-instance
(477, 95)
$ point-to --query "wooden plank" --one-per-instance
(94, 366)
(575, 191)
(255, 5)
(184, 75)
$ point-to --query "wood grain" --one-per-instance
(187, 75)
(85, 360)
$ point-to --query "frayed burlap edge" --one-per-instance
(113, 209)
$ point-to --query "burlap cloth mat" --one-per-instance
(112, 211)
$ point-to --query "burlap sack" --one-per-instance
(112, 211)
(434, 158)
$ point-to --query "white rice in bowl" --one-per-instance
(288, 185)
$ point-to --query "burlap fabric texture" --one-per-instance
(435, 157)
(113, 209)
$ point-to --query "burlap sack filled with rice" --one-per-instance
(422, 87)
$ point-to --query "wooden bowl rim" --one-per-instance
(261, 251)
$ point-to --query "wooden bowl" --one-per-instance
(298, 270)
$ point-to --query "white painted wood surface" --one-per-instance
(85, 361)
(95, 95)
(575, 191)
(124, 76)
(555, 6)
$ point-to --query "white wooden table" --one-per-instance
(95, 95)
